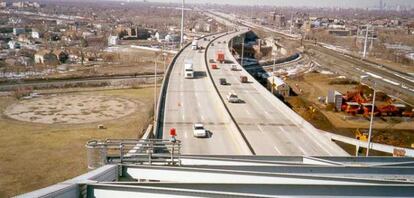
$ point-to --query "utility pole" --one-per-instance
(365, 42)
(242, 53)
(182, 25)
(155, 89)
(371, 120)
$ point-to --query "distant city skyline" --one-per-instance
(306, 3)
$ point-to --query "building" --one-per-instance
(277, 86)
(335, 98)
(14, 45)
(46, 57)
(280, 21)
(17, 31)
(113, 40)
(35, 34)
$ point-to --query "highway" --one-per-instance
(190, 101)
(269, 125)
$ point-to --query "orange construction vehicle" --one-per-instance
(351, 108)
(391, 110)
(367, 107)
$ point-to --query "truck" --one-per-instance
(243, 79)
(194, 45)
(220, 56)
(188, 69)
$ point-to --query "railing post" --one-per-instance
(172, 153)
(121, 154)
(149, 151)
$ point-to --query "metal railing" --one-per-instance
(138, 151)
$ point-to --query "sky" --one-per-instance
(308, 3)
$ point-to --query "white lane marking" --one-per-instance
(293, 142)
(185, 136)
(277, 150)
(260, 128)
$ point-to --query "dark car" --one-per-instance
(223, 81)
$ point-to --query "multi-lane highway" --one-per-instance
(190, 101)
(268, 124)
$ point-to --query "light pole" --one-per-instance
(182, 25)
(365, 42)
(155, 89)
(242, 52)
(371, 121)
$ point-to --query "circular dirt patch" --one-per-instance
(71, 109)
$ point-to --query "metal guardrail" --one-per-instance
(141, 151)
(374, 146)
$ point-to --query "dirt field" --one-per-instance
(70, 109)
(396, 131)
(28, 149)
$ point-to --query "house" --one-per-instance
(24, 61)
(46, 57)
(62, 55)
(113, 40)
(14, 45)
(17, 31)
(278, 86)
(35, 34)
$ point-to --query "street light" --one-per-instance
(371, 121)
(242, 52)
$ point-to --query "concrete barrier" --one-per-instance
(73, 187)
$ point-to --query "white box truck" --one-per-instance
(188, 69)
(194, 45)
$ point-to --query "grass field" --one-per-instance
(37, 155)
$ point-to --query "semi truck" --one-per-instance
(220, 56)
(188, 69)
(194, 45)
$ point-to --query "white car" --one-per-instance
(233, 98)
(199, 131)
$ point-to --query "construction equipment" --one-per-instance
(361, 135)
(351, 108)
(367, 107)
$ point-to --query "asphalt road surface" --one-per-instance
(267, 122)
(190, 101)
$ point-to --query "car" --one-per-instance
(223, 81)
(205, 39)
(200, 51)
(234, 68)
(224, 41)
(233, 98)
(212, 44)
(218, 42)
(199, 131)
